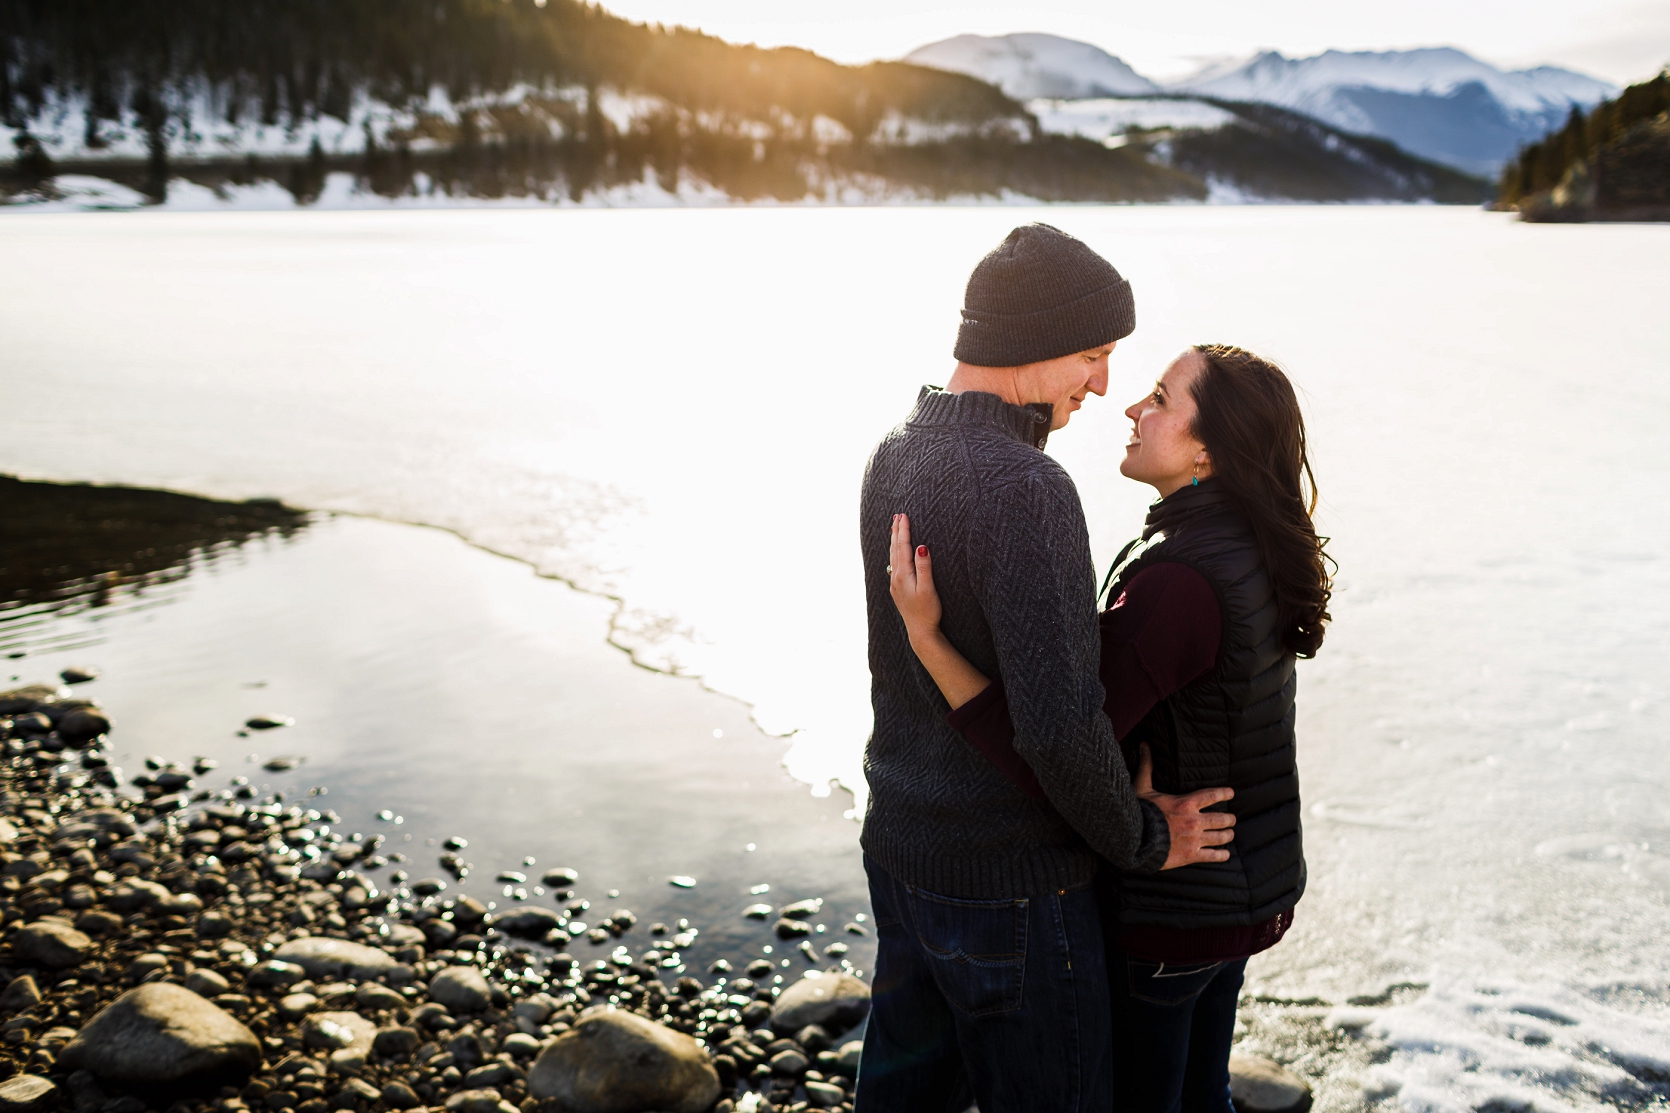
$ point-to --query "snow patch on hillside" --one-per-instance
(1026, 66)
(1105, 118)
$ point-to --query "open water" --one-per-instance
(673, 409)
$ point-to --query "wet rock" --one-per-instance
(360, 1091)
(461, 989)
(30, 697)
(375, 998)
(812, 1038)
(834, 1002)
(80, 674)
(520, 1044)
(32, 722)
(562, 878)
(82, 723)
(51, 943)
(757, 911)
(618, 1062)
(398, 1095)
(1261, 1086)
(163, 1035)
(214, 925)
(491, 1074)
(133, 894)
(682, 881)
(20, 993)
(274, 974)
(824, 1096)
(323, 957)
(802, 909)
(269, 722)
(475, 1101)
(846, 1060)
(294, 1006)
(26, 1093)
(789, 1061)
(790, 929)
(396, 1041)
(529, 923)
(206, 983)
(759, 968)
(337, 1031)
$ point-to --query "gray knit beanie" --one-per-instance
(1039, 295)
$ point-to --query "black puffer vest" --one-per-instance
(1233, 727)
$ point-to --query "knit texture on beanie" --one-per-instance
(1039, 295)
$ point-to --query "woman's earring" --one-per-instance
(1194, 481)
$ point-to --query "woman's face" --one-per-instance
(1163, 452)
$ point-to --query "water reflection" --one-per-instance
(67, 548)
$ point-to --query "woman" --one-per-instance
(1210, 608)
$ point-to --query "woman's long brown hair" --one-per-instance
(1248, 418)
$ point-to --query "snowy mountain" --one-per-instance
(1030, 65)
(1440, 103)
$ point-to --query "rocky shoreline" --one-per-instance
(175, 949)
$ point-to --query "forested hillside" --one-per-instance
(550, 100)
(1612, 162)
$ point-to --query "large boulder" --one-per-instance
(1261, 1086)
(323, 957)
(163, 1036)
(51, 943)
(834, 1001)
(617, 1062)
(461, 989)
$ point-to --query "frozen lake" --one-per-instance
(673, 408)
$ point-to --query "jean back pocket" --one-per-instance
(1169, 983)
(978, 948)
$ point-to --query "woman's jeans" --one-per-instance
(1003, 1002)
(1173, 1024)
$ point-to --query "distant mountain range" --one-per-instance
(373, 102)
(1439, 103)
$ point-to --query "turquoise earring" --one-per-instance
(1195, 481)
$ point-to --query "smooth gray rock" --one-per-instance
(520, 1044)
(323, 957)
(848, 1056)
(789, 1061)
(461, 989)
(374, 997)
(823, 1095)
(1261, 1086)
(26, 1093)
(834, 1002)
(20, 993)
(475, 1101)
(491, 1075)
(398, 1095)
(206, 983)
(51, 943)
(529, 923)
(618, 1062)
(163, 1035)
(337, 1030)
(396, 1041)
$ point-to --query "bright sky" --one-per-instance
(1621, 40)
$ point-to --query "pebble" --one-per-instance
(682, 881)
(80, 674)
(269, 722)
(207, 983)
(757, 911)
(529, 923)
(790, 929)
(26, 1093)
(560, 878)
(803, 909)
(1259, 1085)
(475, 1101)
(823, 1095)
(20, 993)
(616, 1062)
(398, 1095)
(83, 723)
(520, 1044)
(163, 1034)
(52, 943)
(835, 1002)
(373, 997)
(323, 957)
(396, 1041)
(461, 988)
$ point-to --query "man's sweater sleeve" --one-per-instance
(1032, 571)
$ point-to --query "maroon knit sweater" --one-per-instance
(1158, 637)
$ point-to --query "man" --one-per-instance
(989, 981)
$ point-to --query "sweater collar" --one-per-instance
(1029, 424)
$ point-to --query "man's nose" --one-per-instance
(1098, 384)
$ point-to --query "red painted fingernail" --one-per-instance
(921, 550)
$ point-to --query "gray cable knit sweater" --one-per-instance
(1012, 565)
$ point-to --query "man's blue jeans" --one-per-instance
(1003, 1002)
(1173, 1024)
